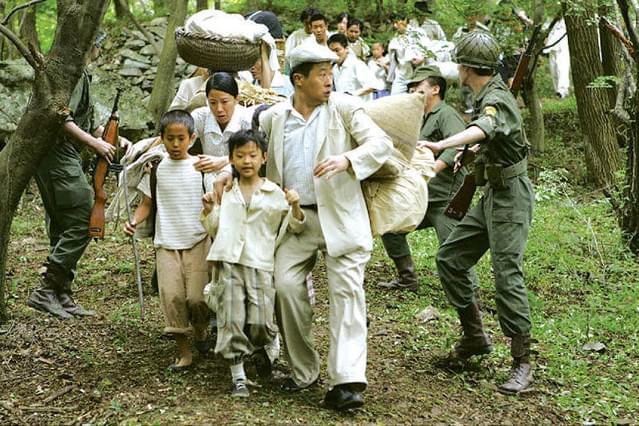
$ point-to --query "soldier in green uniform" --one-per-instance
(68, 199)
(440, 121)
(501, 219)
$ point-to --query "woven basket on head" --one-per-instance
(215, 53)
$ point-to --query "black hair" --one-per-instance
(244, 137)
(355, 21)
(255, 121)
(381, 44)
(338, 38)
(224, 82)
(341, 16)
(441, 83)
(319, 17)
(304, 68)
(484, 71)
(307, 13)
(177, 116)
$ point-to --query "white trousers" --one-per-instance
(294, 259)
(560, 71)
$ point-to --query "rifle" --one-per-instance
(524, 61)
(111, 136)
(460, 203)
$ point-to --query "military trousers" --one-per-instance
(396, 245)
(67, 199)
(499, 222)
(294, 260)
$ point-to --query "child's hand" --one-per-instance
(208, 201)
(292, 197)
(129, 228)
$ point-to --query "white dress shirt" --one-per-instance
(354, 75)
(300, 139)
(212, 137)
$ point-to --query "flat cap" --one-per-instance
(423, 72)
(310, 52)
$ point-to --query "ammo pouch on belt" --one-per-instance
(497, 175)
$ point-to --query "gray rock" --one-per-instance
(15, 72)
(130, 72)
(148, 50)
(159, 22)
(128, 53)
(130, 63)
(158, 31)
(135, 43)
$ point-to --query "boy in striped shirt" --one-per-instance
(180, 240)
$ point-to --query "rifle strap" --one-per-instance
(153, 182)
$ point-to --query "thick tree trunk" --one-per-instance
(201, 5)
(28, 30)
(52, 88)
(121, 8)
(603, 158)
(630, 211)
(610, 50)
(163, 86)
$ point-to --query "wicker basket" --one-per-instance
(214, 53)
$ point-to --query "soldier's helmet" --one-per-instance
(478, 49)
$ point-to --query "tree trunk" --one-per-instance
(28, 30)
(163, 86)
(218, 4)
(121, 8)
(52, 87)
(603, 158)
(536, 133)
(201, 5)
(630, 211)
(610, 50)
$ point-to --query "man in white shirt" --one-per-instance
(355, 42)
(350, 75)
(311, 140)
(319, 28)
(406, 51)
(298, 36)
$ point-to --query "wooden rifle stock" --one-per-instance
(110, 135)
(524, 61)
(460, 203)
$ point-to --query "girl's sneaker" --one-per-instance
(240, 390)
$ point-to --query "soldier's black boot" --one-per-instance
(45, 298)
(67, 302)
(521, 376)
(407, 277)
(474, 341)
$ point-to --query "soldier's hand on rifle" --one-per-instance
(129, 228)
(223, 183)
(104, 149)
(469, 157)
(210, 163)
(332, 165)
(208, 201)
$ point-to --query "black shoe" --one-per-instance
(262, 364)
(343, 397)
(46, 300)
(203, 346)
(289, 385)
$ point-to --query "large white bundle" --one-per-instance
(225, 25)
(399, 204)
(447, 68)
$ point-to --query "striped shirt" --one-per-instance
(300, 140)
(179, 202)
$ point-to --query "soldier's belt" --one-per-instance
(496, 175)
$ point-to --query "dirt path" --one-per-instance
(111, 368)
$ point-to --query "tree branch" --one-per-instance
(618, 35)
(5, 21)
(623, 7)
(24, 50)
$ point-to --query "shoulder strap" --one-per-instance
(153, 182)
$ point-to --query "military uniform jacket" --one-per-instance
(497, 114)
(443, 121)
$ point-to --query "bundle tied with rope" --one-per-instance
(397, 194)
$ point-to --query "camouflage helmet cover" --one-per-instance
(478, 49)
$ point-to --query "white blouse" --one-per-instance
(212, 137)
